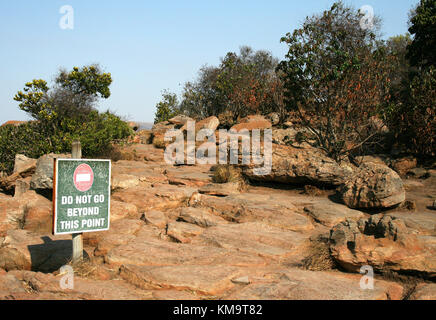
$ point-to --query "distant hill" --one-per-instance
(145, 125)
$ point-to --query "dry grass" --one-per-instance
(319, 258)
(159, 142)
(227, 173)
(85, 268)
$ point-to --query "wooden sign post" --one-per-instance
(76, 153)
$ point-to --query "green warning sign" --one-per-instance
(81, 195)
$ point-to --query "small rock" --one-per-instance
(404, 165)
(200, 217)
(183, 232)
(23, 163)
(194, 199)
(210, 123)
(241, 280)
(180, 120)
(22, 186)
(409, 205)
(220, 189)
(420, 173)
(155, 218)
(274, 118)
(123, 181)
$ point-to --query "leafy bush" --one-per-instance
(412, 114)
(167, 108)
(24, 139)
(336, 79)
(413, 120)
(243, 84)
(63, 114)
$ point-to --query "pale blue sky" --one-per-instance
(149, 46)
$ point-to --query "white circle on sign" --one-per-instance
(83, 177)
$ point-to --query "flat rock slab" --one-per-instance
(144, 251)
(261, 208)
(121, 227)
(122, 210)
(220, 189)
(27, 285)
(253, 238)
(200, 217)
(206, 280)
(313, 285)
(155, 218)
(424, 222)
(160, 197)
(172, 294)
(194, 176)
(183, 232)
(143, 152)
(425, 291)
(135, 172)
(330, 214)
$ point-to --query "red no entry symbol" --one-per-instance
(83, 177)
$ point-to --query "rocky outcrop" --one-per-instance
(372, 186)
(43, 177)
(251, 123)
(385, 243)
(24, 168)
(210, 123)
(295, 284)
(273, 210)
(330, 214)
(305, 165)
(180, 120)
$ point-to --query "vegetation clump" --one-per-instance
(62, 114)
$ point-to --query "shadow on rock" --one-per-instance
(51, 255)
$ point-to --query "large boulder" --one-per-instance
(180, 120)
(373, 186)
(252, 122)
(23, 163)
(304, 165)
(210, 123)
(384, 243)
(43, 177)
(24, 167)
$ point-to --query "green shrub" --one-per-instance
(413, 119)
(96, 136)
(24, 139)
(63, 114)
